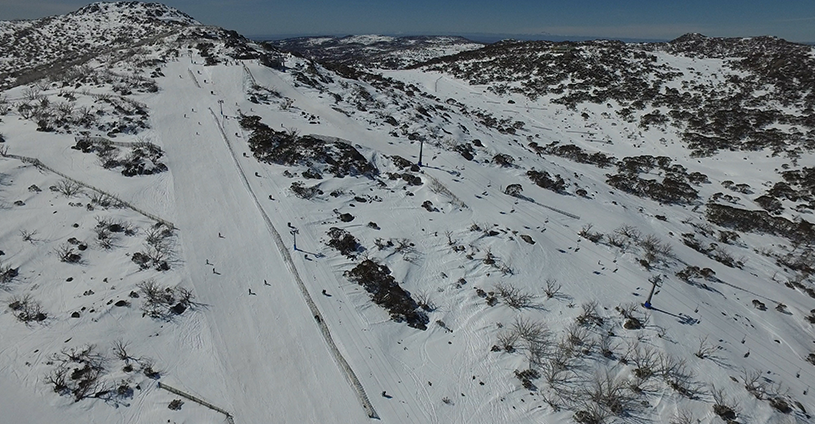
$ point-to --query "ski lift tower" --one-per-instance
(294, 232)
(656, 281)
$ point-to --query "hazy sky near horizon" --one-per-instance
(793, 20)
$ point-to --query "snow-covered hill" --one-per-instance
(286, 241)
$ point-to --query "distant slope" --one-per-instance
(375, 51)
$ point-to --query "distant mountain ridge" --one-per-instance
(376, 51)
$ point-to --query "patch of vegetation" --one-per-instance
(760, 221)
(344, 242)
(386, 292)
(549, 182)
(288, 148)
(164, 302)
(27, 309)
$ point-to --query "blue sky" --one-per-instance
(793, 20)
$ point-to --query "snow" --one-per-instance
(263, 357)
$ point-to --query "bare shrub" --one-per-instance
(629, 232)
(590, 235)
(602, 397)
(589, 314)
(425, 302)
(120, 350)
(28, 235)
(26, 309)
(723, 406)
(105, 200)
(514, 297)
(615, 239)
(552, 288)
(164, 302)
(676, 374)
(645, 360)
(67, 187)
(606, 345)
(77, 372)
(507, 340)
(531, 331)
(7, 273)
(753, 383)
(633, 320)
(705, 349)
(655, 248)
(65, 253)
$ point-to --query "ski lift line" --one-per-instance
(353, 380)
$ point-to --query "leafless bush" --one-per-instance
(753, 383)
(424, 301)
(629, 232)
(104, 237)
(655, 248)
(606, 345)
(507, 340)
(32, 93)
(615, 239)
(105, 200)
(590, 235)
(164, 302)
(589, 314)
(28, 235)
(157, 235)
(645, 360)
(555, 368)
(406, 248)
(531, 331)
(77, 372)
(7, 273)
(68, 187)
(65, 253)
(552, 288)
(578, 338)
(58, 379)
(705, 349)
(120, 350)
(723, 406)
(26, 309)
(633, 320)
(489, 259)
(602, 397)
(514, 297)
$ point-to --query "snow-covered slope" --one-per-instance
(253, 229)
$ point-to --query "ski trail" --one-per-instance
(343, 364)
